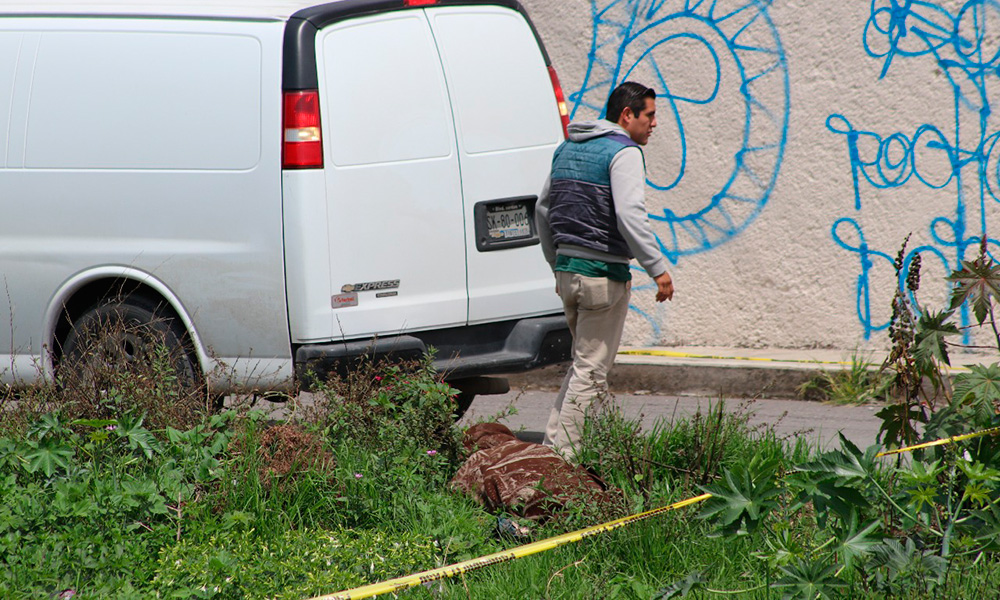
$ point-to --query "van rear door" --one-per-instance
(396, 231)
(508, 127)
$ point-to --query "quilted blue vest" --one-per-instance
(581, 208)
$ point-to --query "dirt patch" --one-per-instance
(286, 450)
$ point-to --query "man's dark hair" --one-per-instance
(631, 95)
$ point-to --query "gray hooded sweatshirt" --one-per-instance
(628, 187)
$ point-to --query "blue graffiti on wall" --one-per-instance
(899, 30)
(630, 36)
(638, 38)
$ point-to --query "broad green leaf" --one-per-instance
(921, 473)
(139, 487)
(743, 498)
(48, 423)
(865, 460)
(847, 464)
(158, 505)
(988, 527)
(893, 554)
(73, 499)
(827, 495)
(855, 544)
(10, 452)
(898, 424)
(175, 435)
(809, 581)
(921, 496)
(98, 436)
(680, 589)
(195, 436)
(978, 283)
(48, 456)
(932, 329)
(907, 562)
(980, 388)
(843, 465)
(977, 471)
(842, 500)
(783, 548)
(977, 493)
(130, 428)
(208, 469)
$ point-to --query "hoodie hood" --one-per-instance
(586, 130)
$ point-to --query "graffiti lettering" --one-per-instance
(961, 159)
(896, 157)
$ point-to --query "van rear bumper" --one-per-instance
(460, 352)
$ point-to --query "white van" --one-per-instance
(279, 185)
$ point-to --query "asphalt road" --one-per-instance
(818, 422)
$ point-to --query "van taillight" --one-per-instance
(419, 2)
(303, 143)
(560, 101)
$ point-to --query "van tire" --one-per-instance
(463, 400)
(124, 334)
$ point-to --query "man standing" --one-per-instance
(592, 220)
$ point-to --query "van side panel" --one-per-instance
(508, 127)
(154, 145)
(10, 48)
(23, 78)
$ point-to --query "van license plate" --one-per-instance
(508, 221)
(505, 223)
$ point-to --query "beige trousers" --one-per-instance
(595, 310)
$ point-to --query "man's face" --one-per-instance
(639, 127)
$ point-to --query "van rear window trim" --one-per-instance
(299, 60)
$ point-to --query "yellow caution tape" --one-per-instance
(941, 442)
(673, 354)
(402, 583)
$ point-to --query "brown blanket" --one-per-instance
(522, 478)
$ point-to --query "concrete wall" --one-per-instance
(799, 142)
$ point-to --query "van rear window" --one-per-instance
(131, 100)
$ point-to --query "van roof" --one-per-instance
(245, 9)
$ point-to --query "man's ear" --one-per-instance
(625, 117)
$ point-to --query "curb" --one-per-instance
(723, 372)
(730, 381)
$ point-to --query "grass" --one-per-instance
(860, 383)
(354, 490)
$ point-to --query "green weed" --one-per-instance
(354, 490)
(860, 383)
(287, 565)
(387, 407)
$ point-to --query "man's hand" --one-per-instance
(664, 287)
